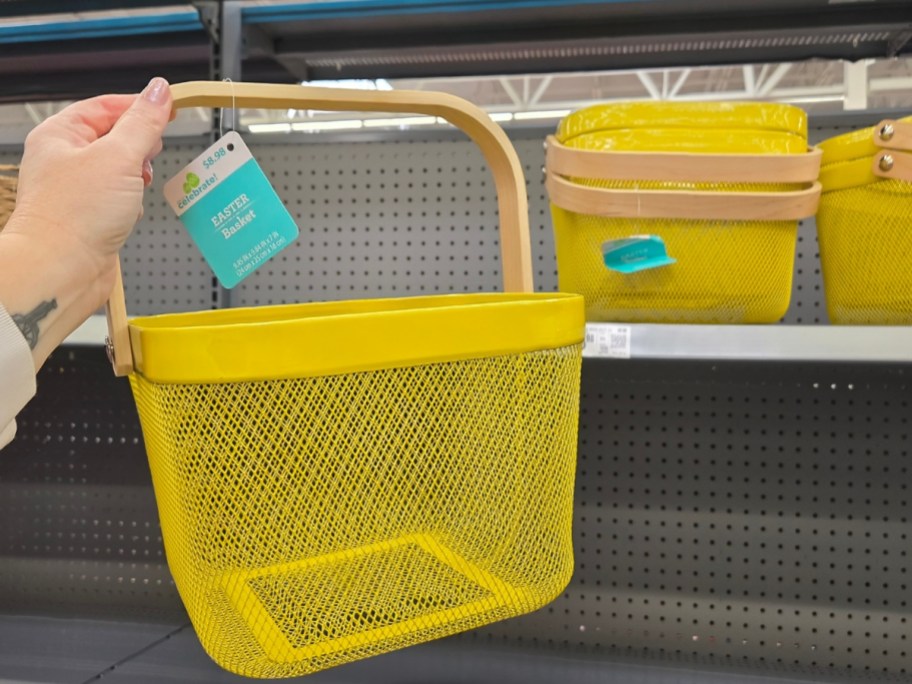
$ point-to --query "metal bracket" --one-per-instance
(208, 11)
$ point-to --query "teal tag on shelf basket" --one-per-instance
(636, 253)
(231, 210)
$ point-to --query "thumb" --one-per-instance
(139, 129)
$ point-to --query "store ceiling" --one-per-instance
(506, 55)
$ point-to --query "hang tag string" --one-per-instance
(233, 111)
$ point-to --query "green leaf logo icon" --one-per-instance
(190, 182)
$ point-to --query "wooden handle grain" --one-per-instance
(676, 204)
(682, 166)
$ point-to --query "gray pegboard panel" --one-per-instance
(391, 219)
(163, 271)
(807, 305)
(80, 533)
(738, 515)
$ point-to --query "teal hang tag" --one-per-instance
(231, 210)
(636, 253)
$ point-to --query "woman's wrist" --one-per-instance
(48, 286)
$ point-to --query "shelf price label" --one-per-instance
(607, 341)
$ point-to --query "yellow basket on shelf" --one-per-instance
(336, 480)
(681, 212)
(864, 226)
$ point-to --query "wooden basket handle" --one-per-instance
(682, 166)
(516, 256)
(681, 204)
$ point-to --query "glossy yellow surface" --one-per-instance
(326, 338)
(726, 271)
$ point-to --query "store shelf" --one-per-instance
(128, 25)
(377, 38)
(290, 42)
(749, 342)
(53, 651)
(866, 344)
(92, 332)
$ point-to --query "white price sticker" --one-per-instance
(607, 341)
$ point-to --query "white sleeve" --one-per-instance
(17, 376)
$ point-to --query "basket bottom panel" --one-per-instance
(376, 593)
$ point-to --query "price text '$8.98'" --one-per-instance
(214, 157)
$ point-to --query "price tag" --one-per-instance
(607, 341)
(231, 210)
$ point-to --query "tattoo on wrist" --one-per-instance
(28, 323)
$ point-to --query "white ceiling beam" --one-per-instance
(543, 86)
(855, 78)
(511, 92)
(676, 88)
(750, 80)
(876, 85)
(33, 113)
(649, 84)
(764, 88)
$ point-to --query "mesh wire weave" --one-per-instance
(310, 522)
(726, 271)
(865, 239)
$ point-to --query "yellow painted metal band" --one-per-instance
(329, 338)
(848, 174)
(713, 116)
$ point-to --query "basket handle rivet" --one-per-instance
(109, 348)
(886, 162)
(886, 132)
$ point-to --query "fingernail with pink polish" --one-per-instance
(156, 91)
(147, 172)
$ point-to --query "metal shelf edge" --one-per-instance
(749, 342)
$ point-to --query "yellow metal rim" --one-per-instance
(329, 338)
(759, 116)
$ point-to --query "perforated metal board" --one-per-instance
(742, 515)
(80, 534)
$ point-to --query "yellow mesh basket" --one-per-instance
(720, 184)
(336, 480)
(863, 225)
